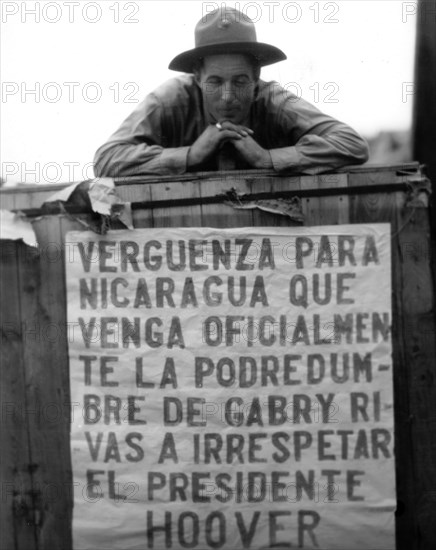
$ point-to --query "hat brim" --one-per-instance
(265, 54)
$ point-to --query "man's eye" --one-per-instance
(211, 86)
(241, 82)
(214, 81)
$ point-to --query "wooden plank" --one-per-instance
(23, 201)
(223, 215)
(310, 205)
(177, 216)
(22, 196)
(405, 516)
(376, 208)
(33, 200)
(273, 185)
(17, 511)
(372, 207)
(334, 210)
(50, 384)
(144, 216)
(325, 210)
(416, 389)
(384, 177)
(7, 201)
(38, 380)
(134, 192)
(379, 168)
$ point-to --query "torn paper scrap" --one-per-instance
(15, 226)
(283, 207)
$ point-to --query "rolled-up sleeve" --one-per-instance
(317, 142)
(136, 147)
(313, 153)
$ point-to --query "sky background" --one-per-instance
(72, 71)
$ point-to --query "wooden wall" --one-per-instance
(36, 506)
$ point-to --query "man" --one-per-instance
(221, 115)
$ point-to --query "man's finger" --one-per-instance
(229, 135)
(227, 125)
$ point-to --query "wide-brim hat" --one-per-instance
(226, 31)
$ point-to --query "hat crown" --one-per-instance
(224, 26)
(226, 31)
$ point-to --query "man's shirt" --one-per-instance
(156, 137)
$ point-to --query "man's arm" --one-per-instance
(326, 147)
(136, 149)
(310, 141)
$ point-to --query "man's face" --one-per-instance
(227, 83)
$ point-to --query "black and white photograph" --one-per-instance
(218, 275)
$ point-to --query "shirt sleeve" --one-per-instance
(320, 142)
(136, 147)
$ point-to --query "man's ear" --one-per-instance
(197, 76)
(196, 71)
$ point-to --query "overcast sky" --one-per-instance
(73, 70)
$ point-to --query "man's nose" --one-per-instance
(228, 92)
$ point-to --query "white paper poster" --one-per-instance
(232, 388)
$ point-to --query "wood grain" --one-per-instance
(416, 375)
(18, 510)
(36, 463)
(176, 216)
(223, 215)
